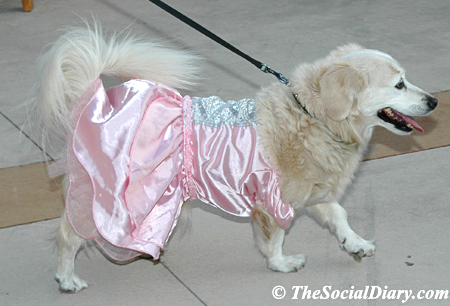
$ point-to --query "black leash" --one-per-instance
(263, 67)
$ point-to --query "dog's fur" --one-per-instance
(316, 153)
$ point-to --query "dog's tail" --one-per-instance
(83, 54)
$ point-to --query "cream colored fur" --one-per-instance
(318, 156)
(316, 153)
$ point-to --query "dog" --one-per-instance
(310, 135)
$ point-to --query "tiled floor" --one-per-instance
(401, 201)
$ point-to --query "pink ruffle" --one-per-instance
(124, 182)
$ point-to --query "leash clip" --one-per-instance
(219, 40)
(280, 77)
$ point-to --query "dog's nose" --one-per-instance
(432, 102)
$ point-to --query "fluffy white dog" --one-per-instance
(310, 138)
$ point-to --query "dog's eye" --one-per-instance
(400, 85)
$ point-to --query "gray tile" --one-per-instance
(15, 148)
(29, 257)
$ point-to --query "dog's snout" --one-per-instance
(432, 102)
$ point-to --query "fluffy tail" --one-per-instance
(83, 54)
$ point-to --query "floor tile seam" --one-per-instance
(28, 223)
(182, 283)
(25, 164)
(441, 92)
(26, 135)
(408, 153)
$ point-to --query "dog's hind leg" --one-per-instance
(269, 238)
(69, 243)
(334, 216)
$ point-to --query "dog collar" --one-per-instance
(302, 106)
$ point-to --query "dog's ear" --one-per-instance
(339, 87)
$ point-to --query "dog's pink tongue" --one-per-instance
(414, 124)
(410, 120)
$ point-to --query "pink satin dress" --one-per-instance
(139, 150)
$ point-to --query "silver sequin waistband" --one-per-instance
(213, 112)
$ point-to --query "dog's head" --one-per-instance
(357, 82)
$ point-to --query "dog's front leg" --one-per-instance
(334, 216)
(269, 238)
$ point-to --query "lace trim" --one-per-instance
(188, 151)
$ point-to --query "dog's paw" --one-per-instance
(70, 284)
(357, 246)
(287, 263)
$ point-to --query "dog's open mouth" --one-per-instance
(400, 121)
